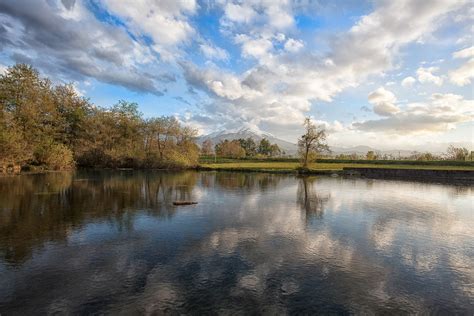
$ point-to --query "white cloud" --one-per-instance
(441, 112)
(408, 82)
(464, 53)
(277, 92)
(279, 14)
(462, 76)
(214, 52)
(381, 95)
(331, 127)
(254, 47)
(426, 75)
(256, 25)
(241, 13)
(82, 47)
(270, 15)
(166, 21)
(293, 45)
(383, 102)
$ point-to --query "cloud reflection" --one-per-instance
(255, 243)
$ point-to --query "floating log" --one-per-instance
(184, 203)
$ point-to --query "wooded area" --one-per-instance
(50, 126)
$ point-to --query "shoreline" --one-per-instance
(374, 171)
(440, 174)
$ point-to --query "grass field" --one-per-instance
(291, 166)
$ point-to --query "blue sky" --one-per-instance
(389, 74)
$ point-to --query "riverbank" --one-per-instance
(368, 169)
(279, 166)
(378, 170)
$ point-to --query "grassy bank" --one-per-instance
(323, 167)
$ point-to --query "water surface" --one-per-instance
(113, 243)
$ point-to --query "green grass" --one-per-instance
(291, 166)
(219, 160)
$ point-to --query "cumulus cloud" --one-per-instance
(462, 76)
(257, 25)
(165, 21)
(426, 75)
(278, 91)
(144, 45)
(254, 47)
(383, 102)
(241, 13)
(214, 52)
(439, 113)
(293, 45)
(408, 82)
(68, 42)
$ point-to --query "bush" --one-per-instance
(54, 156)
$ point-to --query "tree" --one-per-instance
(264, 147)
(274, 150)
(206, 148)
(249, 146)
(231, 149)
(370, 155)
(426, 157)
(312, 142)
(456, 153)
(52, 127)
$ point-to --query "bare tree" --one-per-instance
(456, 153)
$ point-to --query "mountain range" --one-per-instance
(291, 148)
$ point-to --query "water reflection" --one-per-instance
(255, 243)
(38, 208)
(310, 200)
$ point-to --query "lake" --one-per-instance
(111, 242)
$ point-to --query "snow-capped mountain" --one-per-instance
(289, 148)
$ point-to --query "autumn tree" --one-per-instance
(53, 127)
(206, 148)
(312, 142)
(31, 129)
(231, 149)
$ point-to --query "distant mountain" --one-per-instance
(362, 150)
(289, 148)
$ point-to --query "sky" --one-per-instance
(387, 74)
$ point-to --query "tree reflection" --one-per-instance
(247, 181)
(310, 200)
(38, 208)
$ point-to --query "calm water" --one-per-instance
(112, 242)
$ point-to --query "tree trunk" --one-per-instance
(305, 162)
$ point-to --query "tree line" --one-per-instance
(240, 148)
(50, 126)
(452, 153)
